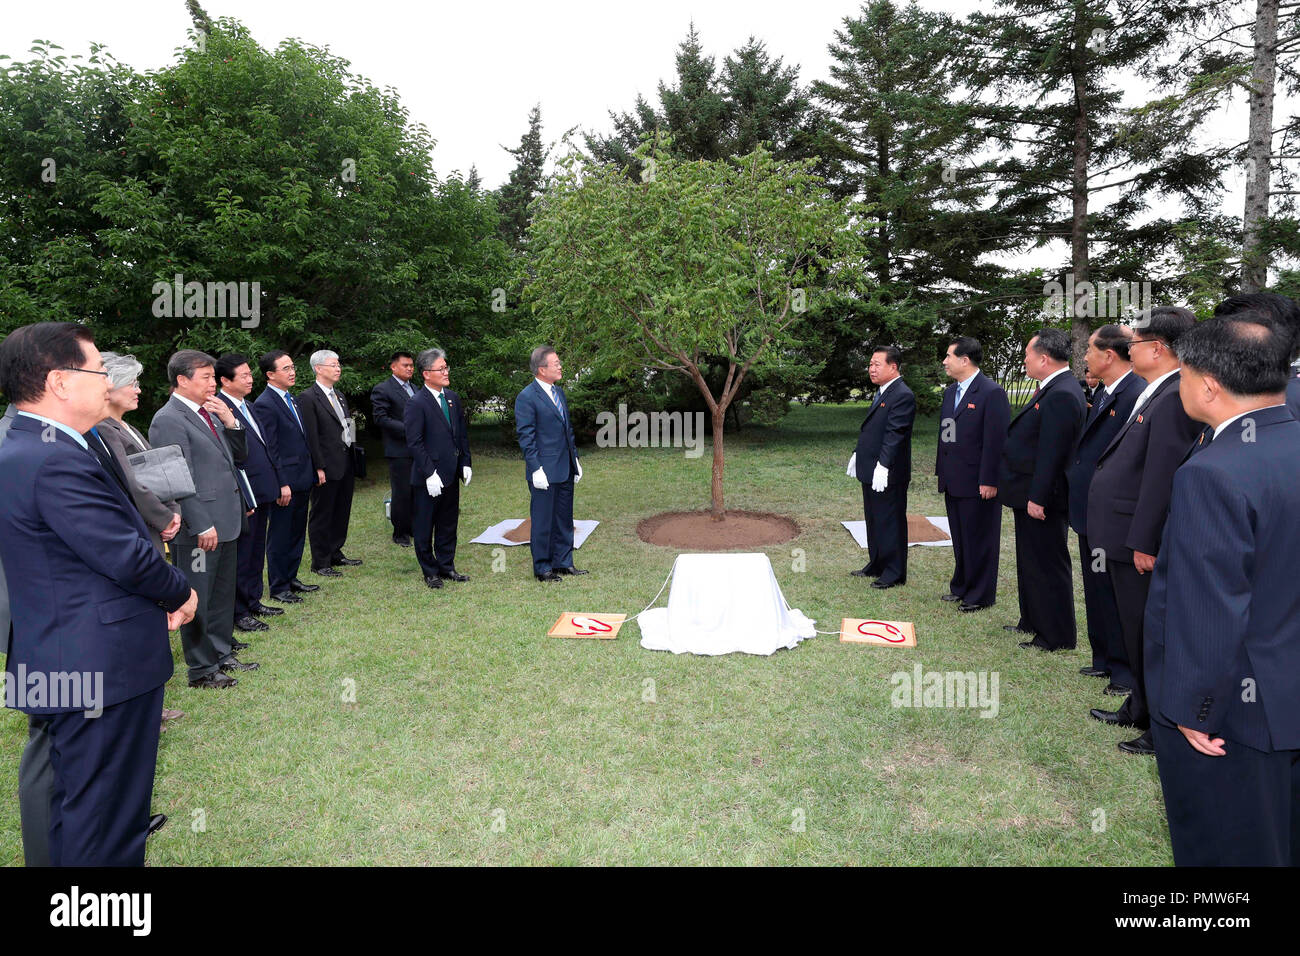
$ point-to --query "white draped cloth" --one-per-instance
(721, 604)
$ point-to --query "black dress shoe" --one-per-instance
(1094, 672)
(1017, 629)
(297, 587)
(882, 586)
(433, 581)
(1143, 746)
(570, 570)
(233, 663)
(548, 576)
(261, 610)
(971, 608)
(327, 572)
(950, 597)
(250, 623)
(346, 562)
(1035, 644)
(239, 646)
(1112, 717)
(156, 823)
(288, 597)
(214, 681)
(455, 576)
(403, 539)
(865, 573)
(1117, 690)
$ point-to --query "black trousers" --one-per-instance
(206, 640)
(1241, 809)
(886, 514)
(251, 560)
(1131, 598)
(400, 509)
(1105, 635)
(551, 513)
(435, 530)
(976, 527)
(103, 782)
(1044, 578)
(288, 534)
(331, 510)
(36, 792)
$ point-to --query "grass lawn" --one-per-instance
(477, 739)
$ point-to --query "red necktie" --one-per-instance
(208, 418)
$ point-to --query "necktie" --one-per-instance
(288, 400)
(556, 399)
(208, 418)
(248, 417)
(1137, 406)
(442, 400)
(343, 419)
(406, 387)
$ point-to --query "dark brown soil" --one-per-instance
(697, 531)
(920, 529)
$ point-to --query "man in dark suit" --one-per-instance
(1222, 634)
(1283, 310)
(262, 484)
(286, 446)
(973, 423)
(1118, 388)
(388, 399)
(438, 436)
(91, 598)
(551, 465)
(1032, 484)
(330, 436)
(882, 463)
(212, 519)
(1128, 498)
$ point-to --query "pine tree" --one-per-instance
(525, 182)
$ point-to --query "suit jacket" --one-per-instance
(157, 514)
(262, 475)
(214, 464)
(545, 435)
(436, 444)
(1038, 445)
(1222, 629)
(973, 455)
(94, 590)
(1293, 396)
(885, 435)
(286, 441)
(1106, 417)
(388, 399)
(1128, 497)
(324, 431)
(5, 422)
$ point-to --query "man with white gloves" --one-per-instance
(883, 464)
(438, 436)
(551, 466)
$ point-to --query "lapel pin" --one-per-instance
(1139, 418)
(1035, 404)
(970, 404)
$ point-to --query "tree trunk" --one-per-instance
(1080, 327)
(715, 504)
(1259, 148)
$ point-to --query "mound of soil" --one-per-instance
(697, 531)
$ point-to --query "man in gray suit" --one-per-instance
(214, 446)
(35, 772)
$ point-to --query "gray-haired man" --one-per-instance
(330, 437)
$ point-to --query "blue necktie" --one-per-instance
(289, 401)
(555, 397)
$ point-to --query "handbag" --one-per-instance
(163, 471)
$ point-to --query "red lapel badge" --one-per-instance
(1139, 418)
(970, 404)
(1112, 413)
(1035, 404)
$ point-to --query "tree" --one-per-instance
(703, 258)
(525, 182)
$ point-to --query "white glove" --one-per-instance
(578, 477)
(434, 484)
(466, 474)
(852, 470)
(539, 480)
(879, 478)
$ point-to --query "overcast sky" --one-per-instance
(471, 71)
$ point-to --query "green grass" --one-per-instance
(468, 715)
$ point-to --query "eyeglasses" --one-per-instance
(1133, 342)
(444, 368)
(89, 371)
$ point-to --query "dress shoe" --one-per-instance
(433, 581)
(865, 573)
(239, 645)
(455, 576)
(402, 539)
(288, 597)
(214, 681)
(327, 572)
(950, 597)
(548, 576)
(297, 587)
(156, 823)
(343, 561)
(1094, 672)
(1035, 644)
(172, 714)
(261, 610)
(1117, 690)
(1112, 717)
(971, 608)
(1143, 746)
(570, 570)
(233, 663)
(882, 586)
(1016, 629)
(250, 623)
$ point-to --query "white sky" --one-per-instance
(471, 71)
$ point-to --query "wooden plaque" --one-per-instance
(854, 630)
(578, 624)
